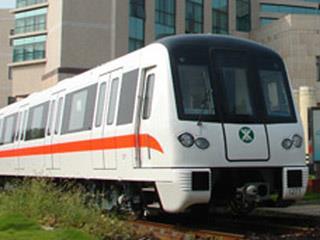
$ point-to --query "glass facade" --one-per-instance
(220, 16)
(266, 21)
(243, 15)
(25, 3)
(29, 48)
(264, 7)
(165, 18)
(194, 16)
(136, 24)
(31, 21)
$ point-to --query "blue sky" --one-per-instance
(7, 3)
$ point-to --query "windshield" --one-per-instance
(272, 81)
(196, 90)
(233, 72)
(231, 86)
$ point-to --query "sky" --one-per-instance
(7, 3)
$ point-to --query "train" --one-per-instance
(189, 121)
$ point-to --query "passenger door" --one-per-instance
(22, 125)
(144, 124)
(54, 162)
(109, 130)
(97, 156)
(50, 134)
(124, 124)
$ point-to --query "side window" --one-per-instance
(58, 116)
(127, 97)
(37, 121)
(20, 126)
(113, 100)
(79, 109)
(50, 121)
(148, 97)
(100, 105)
(9, 128)
(18, 129)
(24, 125)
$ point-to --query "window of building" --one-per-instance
(100, 106)
(37, 121)
(127, 97)
(220, 16)
(25, 3)
(29, 48)
(165, 18)
(275, 8)
(194, 16)
(113, 100)
(136, 24)
(79, 109)
(243, 15)
(9, 129)
(31, 21)
(265, 21)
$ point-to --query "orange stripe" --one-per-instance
(128, 141)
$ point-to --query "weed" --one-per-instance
(61, 206)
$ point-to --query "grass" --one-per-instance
(18, 227)
(27, 205)
(312, 196)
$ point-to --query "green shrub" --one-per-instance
(62, 206)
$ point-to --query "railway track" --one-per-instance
(164, 231)
(225, 228)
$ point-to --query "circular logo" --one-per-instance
(246, 135)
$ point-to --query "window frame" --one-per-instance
(44, 120)
(113, 101)
(193, 20)
(148, 98)
(100, 107)
(88, 111)
(14, 115)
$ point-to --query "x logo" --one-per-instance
(246, 135)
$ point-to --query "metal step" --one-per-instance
(154, 205)
(149, 189)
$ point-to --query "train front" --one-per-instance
(237, 135)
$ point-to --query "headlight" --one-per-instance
(186, 139)
(297, 140)
(202, 143)
(287, 143)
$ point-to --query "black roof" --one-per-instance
(215, 41)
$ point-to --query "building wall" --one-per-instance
(27, 79)
(297, 39)
(6, 23)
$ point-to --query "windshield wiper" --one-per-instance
(205, 105)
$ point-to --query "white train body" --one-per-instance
(136, 135)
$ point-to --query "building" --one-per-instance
(6, 23)
(55, 39)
